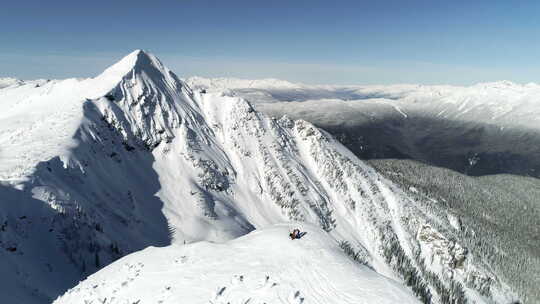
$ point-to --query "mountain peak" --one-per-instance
(135, 62)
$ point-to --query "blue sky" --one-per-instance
(364, 42)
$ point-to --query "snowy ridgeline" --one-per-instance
(262, 267)
(94, 169)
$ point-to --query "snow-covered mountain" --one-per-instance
(94, 169)
(488, 128)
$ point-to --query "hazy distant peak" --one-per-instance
(222, 82)
(8, 81)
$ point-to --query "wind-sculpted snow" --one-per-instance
(106, 166)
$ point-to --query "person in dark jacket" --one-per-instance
(296, 234)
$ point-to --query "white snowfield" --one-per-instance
(261, 267)
(92, 170)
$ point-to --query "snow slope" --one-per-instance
(261, 267)
(94, 169)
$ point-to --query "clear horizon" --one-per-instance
(313, 42)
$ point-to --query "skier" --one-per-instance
(296, 234)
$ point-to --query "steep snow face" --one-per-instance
(94, 169)
(485, 129)
(40, 119)
(261, 267)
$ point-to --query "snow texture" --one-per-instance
(261, 267)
